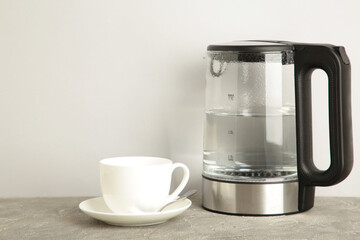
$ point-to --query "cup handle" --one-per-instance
(183, 182)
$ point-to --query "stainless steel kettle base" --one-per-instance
(250, 198)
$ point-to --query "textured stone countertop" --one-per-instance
(61, 218)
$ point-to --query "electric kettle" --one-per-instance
(257, 157)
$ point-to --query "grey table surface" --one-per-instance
(61, 218)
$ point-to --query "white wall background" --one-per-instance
(85, 80)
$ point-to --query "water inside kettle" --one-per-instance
(250, 147)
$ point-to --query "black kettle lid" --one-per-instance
(252, 46)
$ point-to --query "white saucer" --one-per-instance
(97, 209)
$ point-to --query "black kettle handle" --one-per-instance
(334, 61)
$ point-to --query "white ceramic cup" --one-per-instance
(139, 184)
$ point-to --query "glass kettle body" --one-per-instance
(257, 157)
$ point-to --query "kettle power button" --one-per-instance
(343, 56)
